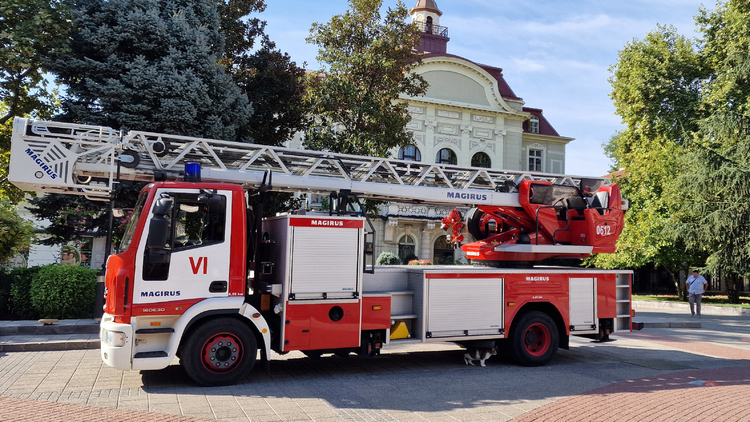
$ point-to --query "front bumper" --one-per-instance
(116, 343)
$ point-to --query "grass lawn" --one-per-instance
(711, 300)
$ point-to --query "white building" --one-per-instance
(470, 117)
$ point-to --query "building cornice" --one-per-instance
(536, 137)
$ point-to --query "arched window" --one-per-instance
(409, 153)
(534, 124)
(446, 156)
(442, 252)
(481, 159)
(406, 249)
(428, 27)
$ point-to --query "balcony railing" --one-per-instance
(433, 29)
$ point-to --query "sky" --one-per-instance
(555, 55)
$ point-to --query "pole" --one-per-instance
(101, 277)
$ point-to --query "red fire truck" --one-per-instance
(201, 276)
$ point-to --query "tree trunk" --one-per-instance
(733, 289)
(679, 286)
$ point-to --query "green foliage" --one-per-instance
(150, 65)
(686, 148)
(15, 232)
(19, 302)
(62, 292)
(387, 258)
(356, 98)
(271, 81)
(30, 30)
(656, 90)
(74, 217)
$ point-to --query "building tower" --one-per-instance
(427, 17)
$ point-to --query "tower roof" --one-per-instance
(428, 5)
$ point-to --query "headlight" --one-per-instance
(114, 338)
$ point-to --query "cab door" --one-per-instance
(196, 261)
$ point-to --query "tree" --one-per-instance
(150, 65)
(30, 30)
(355, 100)
(715, 216)
(656, 90)
(15, 232)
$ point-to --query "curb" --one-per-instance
(685, 307)
(25, 330)
(50, 346)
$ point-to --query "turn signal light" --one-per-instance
(377, 307)
(511, 303)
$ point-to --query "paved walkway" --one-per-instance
(717, 393)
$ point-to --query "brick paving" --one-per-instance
(705, 395)
(430, 383)
(14, 409)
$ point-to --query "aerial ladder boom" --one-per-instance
(90, 160)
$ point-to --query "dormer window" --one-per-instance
(534, 124)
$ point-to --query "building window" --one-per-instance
(406, 249)
(428, 27)
(534, 124)
(535, 160)
(409, 153)
(443, 252)
(481, 159)
(446, 156)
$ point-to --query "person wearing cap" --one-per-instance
(696, 285)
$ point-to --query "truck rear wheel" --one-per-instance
(219, 352)
(534, 339)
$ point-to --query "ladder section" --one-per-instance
(82, 159)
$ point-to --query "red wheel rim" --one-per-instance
(536, 339)
(221, 353)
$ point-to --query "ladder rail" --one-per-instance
(69, 154)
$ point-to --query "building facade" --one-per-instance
(469, 116)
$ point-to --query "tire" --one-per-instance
(220, 352)
(534, 339)
(473, 222)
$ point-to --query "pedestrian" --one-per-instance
(696, 285)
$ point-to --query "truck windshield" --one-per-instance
(133, 223)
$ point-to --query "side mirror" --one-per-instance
(162, 206)
(158, 232)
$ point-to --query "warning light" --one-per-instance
(155, 323)
(511, 303)
(377, 307)
(192, 172)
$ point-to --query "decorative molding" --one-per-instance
(447, 129)
(418, 137)
(537, 145)
(430, 226)
(482, 119)
(417, 125)
(447, 140)
(466, 129)
(482, 133)
(449, 114)
(482, 145)
(430, 124)
(416, 109)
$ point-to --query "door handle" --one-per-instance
(218, 286)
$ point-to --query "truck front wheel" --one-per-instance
(219, 352)
(534, 339)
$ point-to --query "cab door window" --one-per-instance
(198, 224)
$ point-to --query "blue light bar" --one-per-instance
(192, 172)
